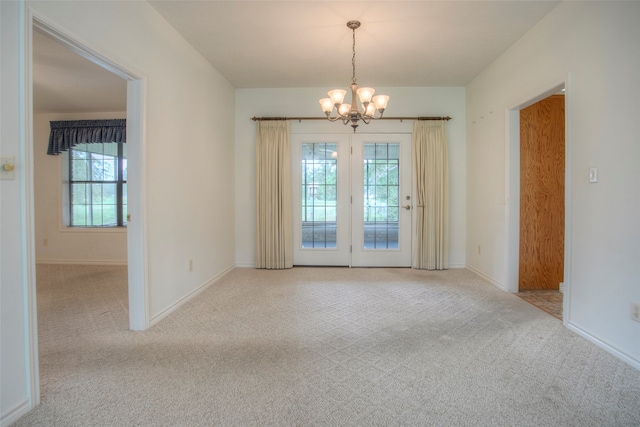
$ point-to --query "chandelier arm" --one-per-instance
(334, 119)
(380, 113)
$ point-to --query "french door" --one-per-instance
(352, 200)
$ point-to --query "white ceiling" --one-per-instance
(266, 44)
(65, 82)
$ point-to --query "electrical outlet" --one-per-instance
(635, 311)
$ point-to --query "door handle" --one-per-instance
(407, 207)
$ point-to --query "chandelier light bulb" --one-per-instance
(327, 105)
(365, 94)
(344, 109)
(337, 96)
(371, 110)
(381, 102)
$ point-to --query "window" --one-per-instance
(98, 185)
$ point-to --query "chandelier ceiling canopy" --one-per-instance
(351, 113)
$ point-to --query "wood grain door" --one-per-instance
(542, 194)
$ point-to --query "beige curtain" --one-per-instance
(431, 166)
(274, 222)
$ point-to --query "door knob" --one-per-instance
(407, 207)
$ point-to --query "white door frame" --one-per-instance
(137, 186)
(346, 138)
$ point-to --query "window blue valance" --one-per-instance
(67, 133)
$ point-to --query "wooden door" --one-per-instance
(542, 194)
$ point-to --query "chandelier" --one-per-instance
(350, 113)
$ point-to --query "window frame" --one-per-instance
(121, 221)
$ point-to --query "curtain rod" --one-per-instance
(261, 119)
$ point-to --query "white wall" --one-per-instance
(303, 102)
(67, 245)
(595, 44)
(189, 147)
(15, 381)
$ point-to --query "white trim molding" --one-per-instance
(173, 307)
(603, 345)
(80, 262)
(489, 279)
(15, 413)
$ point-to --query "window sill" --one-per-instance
(93, 229)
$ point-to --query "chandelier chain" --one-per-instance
(353, 58)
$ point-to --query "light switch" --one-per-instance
(7, 168)
(593, 175)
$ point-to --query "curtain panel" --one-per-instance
(68, 133)
(274, 211)
(431, 166)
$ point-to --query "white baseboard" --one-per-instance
(452, 266)
(15, 413)
(249, 265)
(164, 313)
(575, 328)
(81, 262)
(245, 265)
(488, 279)
(603, 345)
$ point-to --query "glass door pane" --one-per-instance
(381, 165)
(321, 199)
(319, 194)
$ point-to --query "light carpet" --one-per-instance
(320, 347)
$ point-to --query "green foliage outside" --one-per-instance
(319, 182)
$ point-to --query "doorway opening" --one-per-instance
(80, 250)
(136, 153)
(136, 229)
(538, 200)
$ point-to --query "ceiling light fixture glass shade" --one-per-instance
(350, 113)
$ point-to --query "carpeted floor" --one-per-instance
(320, 347)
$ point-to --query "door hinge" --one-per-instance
(351, 150)
(350, 249)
